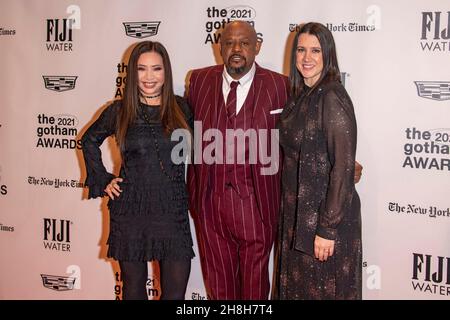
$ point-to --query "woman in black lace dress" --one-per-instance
(319, 250)
(148, 201)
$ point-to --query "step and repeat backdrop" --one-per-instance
(63, 61)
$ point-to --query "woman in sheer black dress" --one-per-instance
(319, 252)
(148, 201)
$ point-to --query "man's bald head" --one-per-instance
(241, 26)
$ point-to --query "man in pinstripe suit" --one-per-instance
(235, 205)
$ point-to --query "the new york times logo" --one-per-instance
(57, 234)
(60, 83)
(340, 27)
(431, 274)
(56, 183)
(6, 228)
(197, 296)
(372, 23)
(218, 18)
(435, 33)
(434, 90)
(141, 30)
(7, 32)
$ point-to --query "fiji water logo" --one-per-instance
(57, 234)
(431, 274)
(435, 33)
(60, 31)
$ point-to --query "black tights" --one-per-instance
(174, 275)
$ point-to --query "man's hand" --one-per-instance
(358, 171)
(113, 188)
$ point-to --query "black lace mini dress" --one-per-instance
(149, 220)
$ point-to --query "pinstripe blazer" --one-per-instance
(270, 92)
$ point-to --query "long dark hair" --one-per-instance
(171, 115)
(330, 70)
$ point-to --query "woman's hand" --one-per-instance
(323, 248)
(113, 188)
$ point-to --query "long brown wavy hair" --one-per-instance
(330, 70)
(172, 116)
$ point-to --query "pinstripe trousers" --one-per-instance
(236, 246)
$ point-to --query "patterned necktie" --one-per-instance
(231, 100)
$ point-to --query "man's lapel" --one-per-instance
(261, 103)
(215, 99)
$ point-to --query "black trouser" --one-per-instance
(174, 276)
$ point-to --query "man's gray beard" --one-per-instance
(232, 70)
